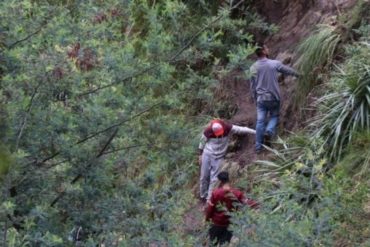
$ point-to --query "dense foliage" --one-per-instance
(317, 53)
(101, 104)
(346, 109)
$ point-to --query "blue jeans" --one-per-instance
(263, 108)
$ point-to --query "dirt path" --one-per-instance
(295, 19)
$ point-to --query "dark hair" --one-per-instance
(259, 49)
(223, 177)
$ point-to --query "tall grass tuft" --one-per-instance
(345, 109)
(296, 154)
(316, 53)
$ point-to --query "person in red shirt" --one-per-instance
(224, 200)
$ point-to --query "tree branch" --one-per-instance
(117, 124)
(52, 156)
(201, 31)
(169, 60)
(38, 30)
(123, 148)
(79, 176)
(105, 153)
(114, 83)
(26, 38)
(24, 121)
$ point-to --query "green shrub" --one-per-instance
(302, 202)
(345, 109)
(103, 104)
(316, 54)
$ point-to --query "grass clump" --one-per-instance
(345, 109)
(316, 53)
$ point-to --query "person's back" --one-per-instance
(223, 201)
(266, 93)
(265, 78)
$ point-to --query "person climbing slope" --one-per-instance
(224, 200)
(212, 148)
(266, 93)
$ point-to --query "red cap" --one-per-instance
(217, 128)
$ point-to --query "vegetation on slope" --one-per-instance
(317, 52)
(345, 110)
(103, 103)
(316, 190)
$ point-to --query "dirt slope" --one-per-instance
(295, 20)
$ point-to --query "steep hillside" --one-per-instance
(102, 104)
(295, 21)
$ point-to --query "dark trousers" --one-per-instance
(219, 235)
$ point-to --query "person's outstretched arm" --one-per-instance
(239, 130)
(251, 203)
(286, 70)
(248, 201)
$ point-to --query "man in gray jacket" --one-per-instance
(266, 92)
(212, 148)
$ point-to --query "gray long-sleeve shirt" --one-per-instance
(217, 147)
(264, 81)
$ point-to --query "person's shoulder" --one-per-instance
(254, 66)
(237, 192)
(274, 61)
(218, 191)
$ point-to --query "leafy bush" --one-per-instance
(345, 110)
(316, 53)
(101, 100)
(302, 202)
